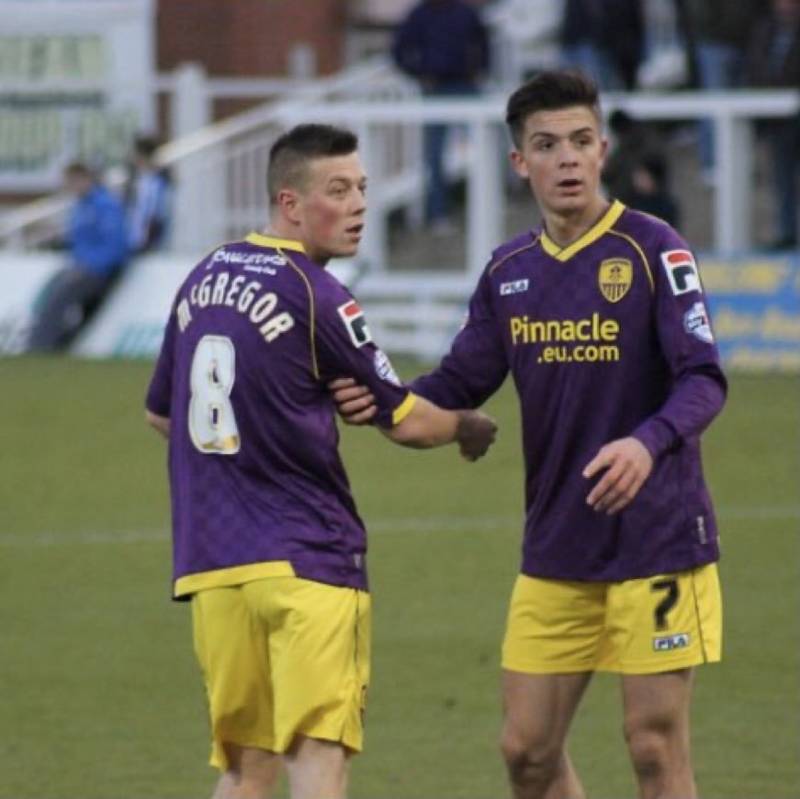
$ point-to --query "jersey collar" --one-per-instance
(602, 226)
(260, 240)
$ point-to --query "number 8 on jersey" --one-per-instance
(212, 423)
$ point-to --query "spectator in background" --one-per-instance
(444, 45)
(97, 243)
(773, 60)
(717, 33)
(636, 170)
(147, 198)
(604, 38)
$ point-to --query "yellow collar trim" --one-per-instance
(599, 229)
(278, 244)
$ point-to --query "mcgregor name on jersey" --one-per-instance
(242, 294)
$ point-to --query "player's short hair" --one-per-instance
(291, 153)
(550, 91)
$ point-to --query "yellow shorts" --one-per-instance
(642, 626)
(281, 657)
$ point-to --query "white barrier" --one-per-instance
(22, 277)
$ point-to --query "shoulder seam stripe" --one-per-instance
(311, 311)
(639, 250)
(511, 254)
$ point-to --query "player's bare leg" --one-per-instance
(538, 709)
(657, 733)
(251, 773)
(317, 769)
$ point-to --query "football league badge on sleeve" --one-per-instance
(355, 322)
(696, 323)
(615, 277)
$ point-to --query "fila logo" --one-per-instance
(355, 322)
(669, 642)
(514, 287)
(681, 271)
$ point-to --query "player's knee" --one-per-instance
(649, 745)
(529, 760)
(252, 769)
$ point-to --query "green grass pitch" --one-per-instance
(99, 692)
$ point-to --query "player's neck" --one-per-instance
(565, 228)
(278, 231)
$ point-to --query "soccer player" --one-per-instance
(600, 317)
(267, 542)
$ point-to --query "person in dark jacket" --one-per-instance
(773, 61)
(96, 240)
(444, 45)
(604, 38)
(717, 33)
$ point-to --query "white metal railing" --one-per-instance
(220, 170)
(732, 114)
(200, 148)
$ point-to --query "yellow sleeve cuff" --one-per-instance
(403, 409)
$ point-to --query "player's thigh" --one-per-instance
(538, 710)
(319, 654)
(663, 623)
(554, 626)
(231, 647)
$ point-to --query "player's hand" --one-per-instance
(475, 434)
(355, 403)
(627, 464)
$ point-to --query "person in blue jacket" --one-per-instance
(97, 243)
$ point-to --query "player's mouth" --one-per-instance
(570, 185)
(355, 230)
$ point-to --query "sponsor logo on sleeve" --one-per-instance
(384, 368)
(513, 287)
(353, 317)
(614, 278)
(667, 643)
(696, 323)
(681, 271)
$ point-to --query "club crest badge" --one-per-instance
(614, 278)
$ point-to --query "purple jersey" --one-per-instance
(257, 483)
(606, 338)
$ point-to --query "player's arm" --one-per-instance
(698, 385)
(476, 365)
(426, 425)
(468, 375)
(159, 423)
(159, 392)
(345, 346)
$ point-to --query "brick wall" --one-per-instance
(249, 37)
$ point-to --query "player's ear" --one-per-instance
(603, 149)
(288, 203)
(518, 163)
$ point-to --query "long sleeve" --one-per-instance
(698, 387)
(477, 363)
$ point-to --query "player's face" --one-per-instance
(561, 156)
(331, 207)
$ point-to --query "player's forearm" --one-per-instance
(425, 426)
(692, 405)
